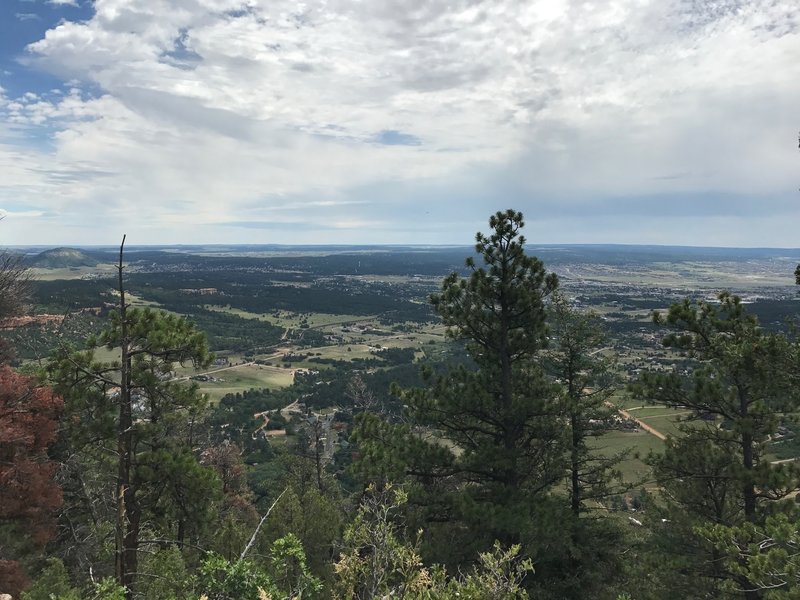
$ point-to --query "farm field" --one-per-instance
(244, 377)
(135, 300)
(68, 273)
(640, 443)
(288, 319)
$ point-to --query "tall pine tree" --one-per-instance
(718, 472)
(482, 443)
(132, 413)
(588, 381)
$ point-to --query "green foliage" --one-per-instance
(220, 579)
(485, 444)
(107, 589)
(378, 563)
(232, 419)
(588, 381)
(64, 295)
(499, 309)
(740, 378)
(232, 535)
(482, 447)
(767, 556)
(166, 576)
(52, 583)
(717, 471)
(498, 575)
(485, 441)
(289, 571)
(132, 417)
(241, 286)
(286, 575)
(311, 514)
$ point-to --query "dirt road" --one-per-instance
(642, 424)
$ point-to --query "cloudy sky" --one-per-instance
(378, 121)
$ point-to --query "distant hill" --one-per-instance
(59, 258)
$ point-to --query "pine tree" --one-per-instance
(483, 443)
(136, 403)
(577, 359)
(588, 381)
(741, 379)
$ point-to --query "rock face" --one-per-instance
(59, 258)
(24, 321)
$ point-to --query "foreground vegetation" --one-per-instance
(395, 464)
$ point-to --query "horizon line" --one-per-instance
(376, 245)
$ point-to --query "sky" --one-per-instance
(401, 122)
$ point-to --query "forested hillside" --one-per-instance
(185, 427)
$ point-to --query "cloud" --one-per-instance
(27, 16)
(24, 214)
(63, 2)
(353, 115)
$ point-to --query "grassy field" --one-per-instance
(106, 355)
(135, 300)
(356, 345)
(291, 320)
(662, 419)
(105, 270)
(640, 444)
(243, 378)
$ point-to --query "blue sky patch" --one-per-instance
(392, 137)
(23, 22)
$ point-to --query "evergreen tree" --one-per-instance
(588, 381)
(482, 442)
(52, 582)
(577, 360)
(717, 472)
(315, 518)
(133, 412)
(765, 555)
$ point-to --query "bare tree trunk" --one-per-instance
(748, 489)
(127, 529)
(575, 467)
(181, 535)
(133, 515)
(260, 523)
(318, 451)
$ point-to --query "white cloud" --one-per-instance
(218, 111)
(24, 214)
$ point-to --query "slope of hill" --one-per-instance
(59, 258)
